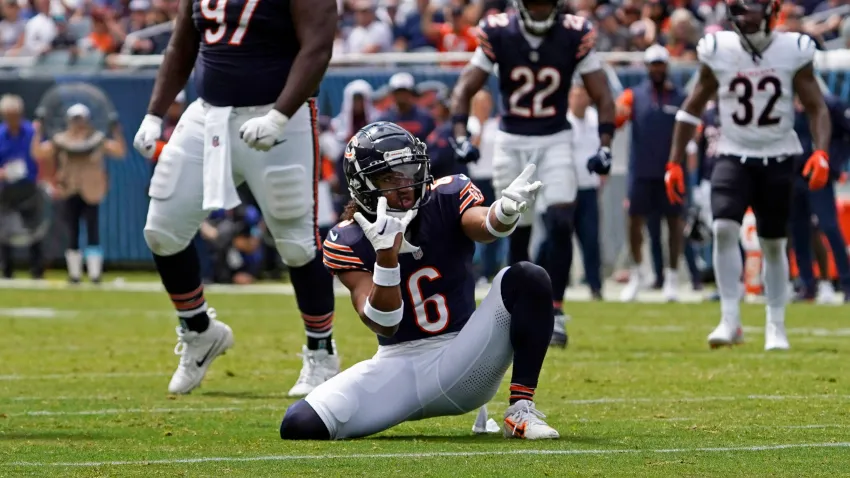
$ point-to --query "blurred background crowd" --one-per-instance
(98, 28)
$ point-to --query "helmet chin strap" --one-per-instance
(755, 42)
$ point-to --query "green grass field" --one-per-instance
(83, 378)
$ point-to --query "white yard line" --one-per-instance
(92, 375)
(592, 401)
(439, 454)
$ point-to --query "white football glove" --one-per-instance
(383, 231)
(262, 133)
(517, 197)
(149, 132)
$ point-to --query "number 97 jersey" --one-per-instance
(756, 97)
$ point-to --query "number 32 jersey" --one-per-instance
(437, 284)
(756, 99)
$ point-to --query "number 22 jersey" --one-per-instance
(437, 283)
(756, 97)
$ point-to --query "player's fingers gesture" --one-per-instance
(517, 197)
(817, 170)
(674, 182)
(383, 231)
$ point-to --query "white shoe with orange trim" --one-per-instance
(524, 420)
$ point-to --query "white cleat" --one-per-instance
(635, 284)
(197, 350)
(775, 338)
(725, 335)
(826, 293)
(319, 366)
(524, 420)
(670, 291)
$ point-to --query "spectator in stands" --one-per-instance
(793, 22)
(585, 122)
(106, 34)
(611, 36)
(408, 32)
(370, 35)
(12, 26)
(827, 29)
(155, 44)
(79, 152)
(454, 34)
(19, 192)
(656, 14)
(65, 38)
(682, 36)
(39, 31)
(405, 112)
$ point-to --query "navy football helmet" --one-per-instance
(383, 158)
(538, 26)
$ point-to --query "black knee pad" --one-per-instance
(525, 279)
(301, 422)
(559, 220)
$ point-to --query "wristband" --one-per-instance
(385, 319)
(692, 147)
(501, 216)
(386, 277)
(607, 128)
(492, 230)
(684, 117)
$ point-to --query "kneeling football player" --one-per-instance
(405, 252)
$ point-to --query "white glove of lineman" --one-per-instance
(262, 133)
(149, 132)
(383, 231)
(517, 197)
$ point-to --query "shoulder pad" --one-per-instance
(707, 48)
(346, 233)
(457, 190)
(807, 47)
(494, 22)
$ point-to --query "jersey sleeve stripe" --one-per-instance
(343, 258)
(470, 196)
(336, 247)
(484, 43)
(588, 41)
(334, 266)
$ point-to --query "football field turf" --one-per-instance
(83, 378)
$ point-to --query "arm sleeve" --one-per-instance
(346, 249)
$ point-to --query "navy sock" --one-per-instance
(181, 277)
(518, 244)
(527, 295)
(315, 296)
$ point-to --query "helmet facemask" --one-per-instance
(752, 21)
(542, 26)
(402, 176)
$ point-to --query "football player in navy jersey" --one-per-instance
(257, 67)
(404, 251)
(537, 51)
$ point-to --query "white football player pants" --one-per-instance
(445, 375)
(553, 155)
(284, 182)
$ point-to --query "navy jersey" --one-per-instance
(535, 81)
(437, 284)
(707, 155)
(247, 49)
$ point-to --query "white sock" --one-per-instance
(775, 278)
(671, 276)
(74, 262)
(728, 267)
(94, 266)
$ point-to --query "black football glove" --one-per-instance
(464, 150)
(600, 163)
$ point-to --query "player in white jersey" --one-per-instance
(755, 73)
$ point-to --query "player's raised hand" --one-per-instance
(674, 182)
(149, 132)
(817, 170)
(600, 163)
(517, 197)
(262, 133)
(383, 232)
